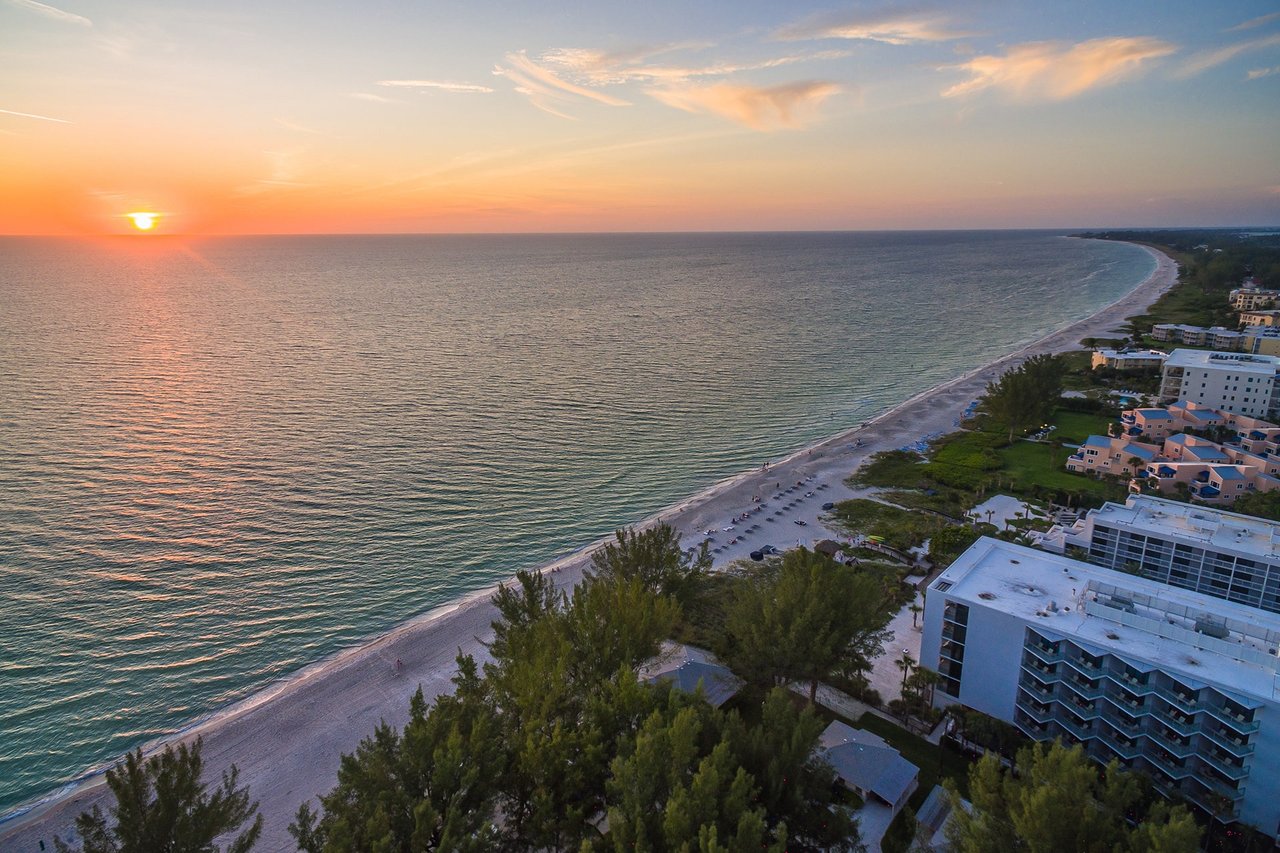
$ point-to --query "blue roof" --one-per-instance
(1205, 453)
(864, 761)
(718, 683)
(1180, 438)
(1227, 472)
(1155, 414)
(1097, 441)
(1140, 452)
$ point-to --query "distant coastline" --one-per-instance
(263, 733)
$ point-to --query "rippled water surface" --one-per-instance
(223, 460)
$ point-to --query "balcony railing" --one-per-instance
(1131, 684)
(1044, 653)
(1086, 691)
(1216, 786)
(1029, 708)
(1228, 741)
(1182, 701)
(1089, 669)
(1228, 768)
(1222, 714)
(1172, 745)
(1081, 731)
(1128, 751)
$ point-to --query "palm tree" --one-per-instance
(905, 664)
(916, 610)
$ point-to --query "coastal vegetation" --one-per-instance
(1057, 798)
(555, 743)
(808, 621)
(161, 804)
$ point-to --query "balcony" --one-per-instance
(1083, 689)
(1204, 490)
(1179, 722)
(1090, 670)
(1127, 751)
(1046, 671)
(1181, 700)
(1229, 741)
(1132, 684)
(1039, 684)
(1081, 731)
(1028, 707)
(1216, 786)
(1170, 744)
(1128, 728)
(1220, 763)
(1048, 654)
(1236, 722)
(1130, 705)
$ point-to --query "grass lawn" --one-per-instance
(1075, 427)
(1027, 464)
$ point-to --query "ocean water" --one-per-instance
(221, 460)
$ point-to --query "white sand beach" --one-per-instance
(287, 740)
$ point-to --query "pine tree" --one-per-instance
(162, 806)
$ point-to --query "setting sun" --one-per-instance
(144, 221)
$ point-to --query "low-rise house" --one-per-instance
(1128, 359)
(1114, 457)
(868, 765)
(688, 668)
(1211, 473)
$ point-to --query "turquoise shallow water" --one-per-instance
(223, 460)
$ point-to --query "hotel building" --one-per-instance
(1178, 685)
(1231, 382)
(1210, 551)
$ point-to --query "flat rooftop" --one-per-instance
(1062, 597)
(1260, 364)
(1194, 524)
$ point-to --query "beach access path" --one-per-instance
(287, 740)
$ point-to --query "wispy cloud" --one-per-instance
(762, 108)
(890, 26)
(1206, 59)
(369, 96)
(438, 85)
(1262, 72)
(1261, 20)
(52, 12)
(33, 115)
(600, 69)
(542, 86)
(1056, 71)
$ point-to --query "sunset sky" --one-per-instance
(380, 116)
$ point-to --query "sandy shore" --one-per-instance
(287, 740)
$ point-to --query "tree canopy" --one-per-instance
(555, 744)
(810, 619)
(162, 806)
(1025, 395)
(1059, 799)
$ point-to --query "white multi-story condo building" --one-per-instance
(1205, 549)
(1232, 382)
(1178, 685)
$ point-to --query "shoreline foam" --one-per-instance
(262, 733)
